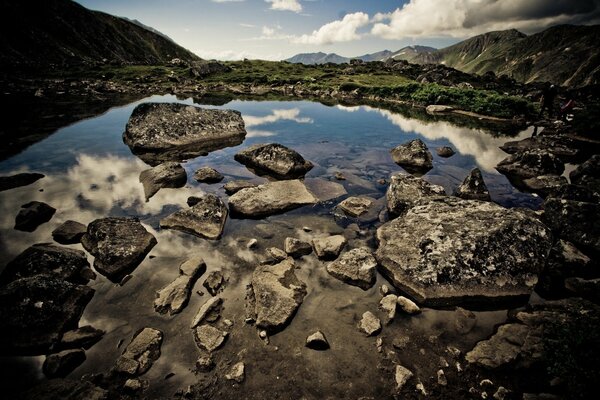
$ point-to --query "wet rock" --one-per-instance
(437, 109)
(502, 348)
(208, 175)
(32, 215)
(406, 190)
(544, 184)
(141, 353)
(205, 363)
(165, 175)
(252, 243)
(275, 160)
(49, 260)
(413, 156)
(328, 248)
(473, 187)
(271, 198)
(588, 174)
(585, 288)
(133, 386)
(235, 186)
(61, 389)
(369, 324)
(209, 338)
(355, 206)
(213, 282)
(296, 248)
(445, 151)
(388, 305)
(205, 310)
(450, 251)
(277, 295)
(159, 132)
(174, 297)
(18, 180)
(561, 146)
(70, 232)
(464, 320)
(236, 373)
(118, 244)
(441, 378)
(325, 190)
(384, 290)
(59, 365)
(576, 192)
(206, 219)
(84, 337)
(355, 267)
(531, 163)
(339, 176)
(317, 341)
(408, 306)
(402, 375)
(35, 311)
(565, 260)
(274, 256)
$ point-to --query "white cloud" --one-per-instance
(285, 5)
(243, 25)
(227, 1)
(343, 30)
(266, 31)
(292, 114)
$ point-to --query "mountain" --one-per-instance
(409, 53)
(405, 53)
(45, 33)
(317, 58)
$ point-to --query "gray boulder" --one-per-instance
(355, 206)
(473, 187)
(296, 248)
(445, 151)
(588, 174)
(562, 146)
(32, 215)
(544, 184)
(174, 297)
(205, 219)
(330, 247)
(70, 232)
(208, 175)
(529, 164)
(141, 352)
(355, 267)
(275, 160)
(61, 364)
(406, 190)
(369, 324)
(414, 156)
(165, 175)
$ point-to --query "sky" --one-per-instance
(278, 29)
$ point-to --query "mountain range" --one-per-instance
(407, 53)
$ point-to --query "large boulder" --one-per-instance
(69, 232)
(159, 132)
(530, 163)
(406, 190)
(165, 175)
(588, 174)
(119, 245)
(32, 215)
(208, 175)
(562, 146)
(473, 187)
(275, 160)
(205, 219)
(450, 251)
(413, 156)
(173, 297)
(355, 267)
(271, 198)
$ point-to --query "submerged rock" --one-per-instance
(205, 310)
(59, 365)
(355, 206)
(209, 338)
(236, 373)
(328, 248)
(369, 324)
(141, 353)
(450, 251)
(317, 341)
(174, 297)
(531, 163)
(402, 376)
(355, 267)
(84, 337)
(213, 282)
(274, 256)
(445, 151)
(544, 184)
(18, 180)
(406, 190)
(165, 175)
(414, 156)
(208, 175)
(70, 232)
(275, 160)
(119, 245)
(32, 215)
(205, 219)
(205, 363)
(235, 186)
(296, 248)
(473, 187)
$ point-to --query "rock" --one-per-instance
(32, 215)
(141, 353)
(18, 180)
(70, 232)
(59, 365)
(328, 248)
(464, 320)
(441, 378)
(355, 267)
(588, 174)
(275, 160)
(473, 187)
(61, 389)
(402, 375)
(206, 219)
(235, 186)
(544, 184)
(339, 176)
(406, 190)
(325, 190)
(119, 245)
(388, 305)
(275, 255)
(501, 393)
(277, 295)
(384, 290)
(413, 156)
(165, 175)
(213, 282)
(355, 206)
(271, 198)
(200, 69)
(445, 151)
(252, 243)
(529, 164)
(49, 260)
(296, 248)
(36, 311)
(205, 310)
(317, 341)
(575, 192)
(84, 337)
(209, 338)
(502, 348)
(205, 363)
(561, 146)
(585, 288)
(369, 324)
(450, 251)
(407, 305)
(158, 132)
(174, 297)
(208, 175)
(133, 386)
(236, 373)
(438, 109)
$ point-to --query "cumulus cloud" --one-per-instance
(227, 1)
(343, 30)
(285, 5)
(292, 114)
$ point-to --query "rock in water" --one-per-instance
(119, 245)
(271, 198)
(209, 338)
(277, 294)
(205, 219)
(213, 282)
(355, 206)
(413, 156)
(317, 341)
(235, 186)
(32, 215)
(296, 248)
(84, 337)
(15, 181)
(62, 364)
(141, 353)
(402, 375)
(370, 324)
(158, 132)
(328, 248)
(544, 184)
(388, 305)
(173, 297)
(355, 267)
(473, 187)
(588, 174)
(208, 175)
(205, 310)
(450, 251)
(406, 190)
(236, 373)
(70, 232)
(531, 163)
(445, 151)
(165, 175)
(407, 305)
(275, 160)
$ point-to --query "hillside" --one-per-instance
(63, 33)
(407, 53)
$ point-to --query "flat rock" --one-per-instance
(407, 305)
(296, 248)
(473, 187)
(588, 174)
(355, 206)
(235, 186)
(174, 297)
(414, 156)
(119, 245)
(544, 184)
(84, 337)
(204, 311)
(18, 180)
(209, 338)
(236, 373)
(406, 190)
(158, 132)
(141, 352)
(274, 256)
(369, 324)
(530, 163)
(328, 248)
(275, 160)
(206, 219)
(208, 175)
(356, 267)
(317, 341)
(32, 215)
(271, 198)
(401, 376)
(445, 151)
(213, 282)
(59, 365)
(277, 293)
(325, 190)
(70, 232)
(450, 251)
(165, 175)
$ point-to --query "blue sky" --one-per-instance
(278, 29)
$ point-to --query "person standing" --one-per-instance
(547, 100)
